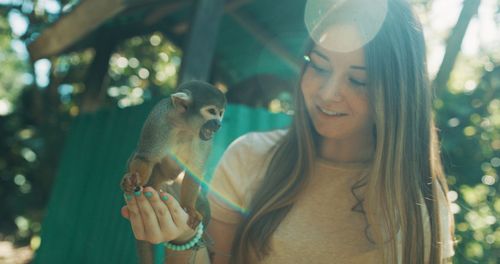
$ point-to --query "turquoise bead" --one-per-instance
(189, 244)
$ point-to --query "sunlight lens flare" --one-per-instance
(198, 177)
(365, 15)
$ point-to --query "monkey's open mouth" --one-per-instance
(206, 133)
(208, 129)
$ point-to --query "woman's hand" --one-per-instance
(157, 217)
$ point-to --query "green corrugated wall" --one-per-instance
(83, 222)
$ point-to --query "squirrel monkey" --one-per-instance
(179, 129)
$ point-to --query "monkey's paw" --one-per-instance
(194, 217)
(130, 182)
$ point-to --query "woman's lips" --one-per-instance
(329, 112)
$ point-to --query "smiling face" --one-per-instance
(334, 89)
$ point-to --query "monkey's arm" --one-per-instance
(189, 194)
(191, 182)
(139, 170)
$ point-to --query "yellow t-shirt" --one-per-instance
(321, 227)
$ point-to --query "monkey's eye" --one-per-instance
(212, 111)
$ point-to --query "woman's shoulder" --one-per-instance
(256, 143)
(239, 172)
(248, 152)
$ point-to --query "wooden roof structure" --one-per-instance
(242, 37)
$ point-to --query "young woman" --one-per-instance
(357, 177)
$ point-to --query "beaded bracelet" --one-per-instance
(188, 245)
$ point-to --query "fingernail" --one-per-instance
(164, 197)
(128, 197)
(148, 194)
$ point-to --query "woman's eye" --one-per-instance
(357, 82)
(318, 69)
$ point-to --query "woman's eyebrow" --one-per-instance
(317, 52)
(357, 67)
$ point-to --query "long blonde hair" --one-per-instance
(400, 94)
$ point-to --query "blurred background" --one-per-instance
(63, 59)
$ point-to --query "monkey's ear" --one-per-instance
(181, 101)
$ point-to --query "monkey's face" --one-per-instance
(199, 108)
(212, 118)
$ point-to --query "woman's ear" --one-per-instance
(181, 101)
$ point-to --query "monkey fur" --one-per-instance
(176, 136)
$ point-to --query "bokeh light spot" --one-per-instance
(488, 180)
(470, 131)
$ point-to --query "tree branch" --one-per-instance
(454, 42)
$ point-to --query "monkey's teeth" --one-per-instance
(207, 134)
(331, 113)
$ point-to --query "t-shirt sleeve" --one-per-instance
(446, 224)
(239, 174)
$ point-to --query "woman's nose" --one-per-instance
(331, 90)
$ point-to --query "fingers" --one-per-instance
(166, 224)
(124, 212)
(135, 218)
(151, 224)
(179, 216)
(155, 217)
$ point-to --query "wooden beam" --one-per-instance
(266, 39)
(165, 10)
(72, 27)
(200, 47)
(87, 16)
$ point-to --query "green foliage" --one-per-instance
(469, 119)
(18, 153)
(143, 67)
(14, 70)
